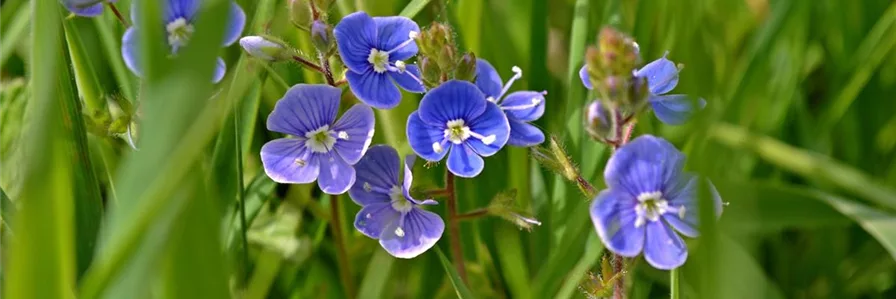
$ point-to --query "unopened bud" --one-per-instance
(321, 36)
(598, 122)
(300, 13)
(430, 71)
(447, 58)
(466, 69)
(265, 48)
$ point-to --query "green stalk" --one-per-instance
(85, 77)
(345, 271)
(674, 284)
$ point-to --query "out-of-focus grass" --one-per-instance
(798, 136)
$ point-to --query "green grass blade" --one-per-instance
(374, 280)
(14, 34)
(413, 8)
(459, 287)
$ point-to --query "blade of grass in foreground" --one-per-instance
(459, 287)
(413, 8)
(41, 261)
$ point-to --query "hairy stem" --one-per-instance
(325, 63)
(623, 133)
(345, 273)
(308, 64)
(457, 253)
(474, 214)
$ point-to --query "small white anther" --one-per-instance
(413, 34)
(517, 70)
(368, 216)
(342, 135)
(367, 187)
(399, 232)
(491, 99)
(437, 147)
(300, 162)
(681, 211)
(488, 140)
(401, 66)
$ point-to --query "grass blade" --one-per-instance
(459, 287)
(413, 8)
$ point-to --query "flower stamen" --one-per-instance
(379, 60)
(411, 37)
(517, 73)
(179, 32)
(535, 102)
(320, 140)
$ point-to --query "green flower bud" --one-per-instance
(322, 36)
(266, 48)
(430, 72)
(300, 13)
(466, 69)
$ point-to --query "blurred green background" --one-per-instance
(798, 135)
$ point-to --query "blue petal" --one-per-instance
(487, 79)
(130, 51)
(664, 249)
(452, 100)
(186, 9)
(531, 101)
(358, 124)
(613, 215)
(416, 233)
(355, 37)
(491, 122)
(586, 79)
(235, 23)
(464, 162)
(683, 194)
(524, 134)
(421, 137)
(406, 79)
(336, 176)
(391, 32)
(646, 164)
(220, 70)
(674, 109)
(661, 74)
(83, 9)
(374, 89)
(373, 219)
(279, 158)
(304, 107)
(378, 169)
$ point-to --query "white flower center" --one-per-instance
(399, 203)
(652, 205)
(179, 32)
(457, 132)
(379, 60)
(320, 140)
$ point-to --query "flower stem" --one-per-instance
(619, 285)
(325, 62)
(308, 64)
(345, 273)
(674, 284)
(477, 213)
(623, 133)
(240, 194)
(457, 253)
(436, 193)
(118, 15)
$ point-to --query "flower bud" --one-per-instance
(466, 69)
(430, 71)
(598, 122)
(266, 48)
(447, 58)
(321, 36)
(300, 13)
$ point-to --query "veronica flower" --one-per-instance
(648, 198)
(454, 119)
(86, 8)
(374, 50)
(662, 77)
(179, 17)
(521, 107)
(389, 212)
(320, 148)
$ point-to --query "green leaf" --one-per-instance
(411, 10)
(376, 275)
(14, 33)
(459, 287)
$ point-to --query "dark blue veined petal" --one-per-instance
(304, 108)
(524, 134)
(661, 74)
(236, 20)
(422, 136)
(220, 70)
(416, 233)
(377, 171)
(452, 100)
(374, 89)
(493, 125)
(358, 124)
(130, 51)
(663, 248)
(336, 176)
(675, 109)
(186, 9)
(406, 79)
(646, 164)
(392, 32)
(586, 79)
(488, 80)
(84, 8)
(355, 37)
(682, 194)
(464, 162)
(286, 160)
(524, 105)
(373, 219)
(613, 215)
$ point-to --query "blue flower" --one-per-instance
(389, 212)
(86, 8)
(320, 148)
(662, 77)
(179, 17)
(456, 118)
(647, 196)
(521, 107)
(374, 50)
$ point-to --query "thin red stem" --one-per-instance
(457, 253)
(472, 214)
(326, 69)
(436, 193)
(345, 272)
(118, 14)
(308, 64)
